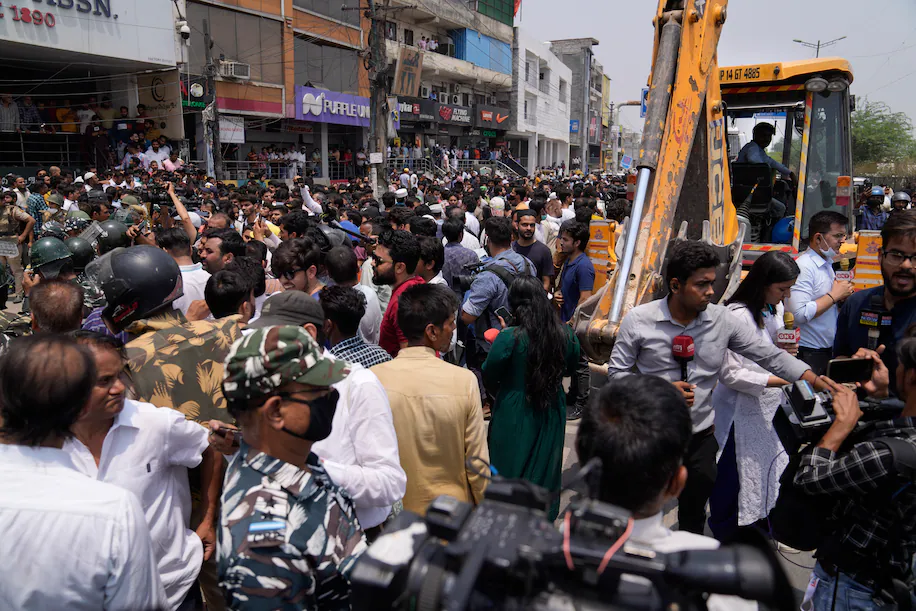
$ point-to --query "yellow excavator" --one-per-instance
(689, 187)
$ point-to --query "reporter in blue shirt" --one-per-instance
(577, 283)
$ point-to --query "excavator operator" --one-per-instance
(755, 152)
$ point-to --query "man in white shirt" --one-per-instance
(642, 466)
(404, 178)
(148, 451)
(70, 542)
(155, 153)
(176, 242)
(469, 204)
(817, 293)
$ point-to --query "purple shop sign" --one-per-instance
(323, 106)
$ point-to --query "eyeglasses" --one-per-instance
(896, 258)
(291, 273)
(378, 260)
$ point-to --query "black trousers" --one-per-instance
(701, 476)
(817, 358)
(580, 384)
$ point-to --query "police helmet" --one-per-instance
(138, 282)
(49, 256)
(53, 229)
(81, 253)
(114, 235)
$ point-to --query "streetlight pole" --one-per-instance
(818, 45)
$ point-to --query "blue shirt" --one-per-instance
(850, 335)
(456, 258)
(754, 153)
(871, 220)
(578, 275)
(815, 281)
(489, 293)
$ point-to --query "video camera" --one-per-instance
(805, 415)
(506, 554)
(463, 282)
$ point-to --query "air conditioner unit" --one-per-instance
(491, 100)
(453, 87)
(234, 69)
(424, 91)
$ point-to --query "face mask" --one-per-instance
(322, 415)
(829, 254)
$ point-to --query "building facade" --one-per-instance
(585, 99)
(461, 53)
(539, 134)
(66, 62)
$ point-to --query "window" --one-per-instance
(237, 36)
(500, 10)
(326, 66)
(391, 31)
(408, 37)
(331, 8)
(528, 71)
(562, 91)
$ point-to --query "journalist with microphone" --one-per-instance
(881, 315)
(865, 473)
(646, 342)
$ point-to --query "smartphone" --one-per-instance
(143, 227)
(224, 431)
(506, 316)
(849, 371)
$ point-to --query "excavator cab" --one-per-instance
(809, 105)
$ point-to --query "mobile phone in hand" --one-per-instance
(223, 431)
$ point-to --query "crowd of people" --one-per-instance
(221, 395)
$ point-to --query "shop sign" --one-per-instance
(491, 116)
(194, 92)
(456, 115)
(489, 133)
(574, 126)
(231, 130)
(420, 110)
(474, 132)
(322, 106)
(298, 127)
(132, 30)
(161, 95)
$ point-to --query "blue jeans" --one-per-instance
(849, 595)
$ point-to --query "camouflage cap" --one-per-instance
(261, 362)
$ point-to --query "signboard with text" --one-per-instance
(161, 94)
(455, 115)
(231, 130)
(418, 110)
(574, 126)
(132, 30)
(323, 106)
(491, 116)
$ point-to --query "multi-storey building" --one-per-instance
(539, 133)
(585, 99)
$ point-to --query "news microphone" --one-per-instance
(875, 319)
(789, 335)
(682, 351)
(844, 273)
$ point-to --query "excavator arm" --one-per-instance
(682, 172)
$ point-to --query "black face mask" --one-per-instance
(322, 415)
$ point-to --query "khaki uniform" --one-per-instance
(10, 217)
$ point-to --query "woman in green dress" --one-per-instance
(525, 370)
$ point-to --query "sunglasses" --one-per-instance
(291, 273)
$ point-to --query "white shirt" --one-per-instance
(71, 542)
(371, 322)
(148, 451)
(193, 281)
(814, 281)
(472, 223)
(157, 156)
(468, 241)
(361, 454)
(652, 533)
(567, 214)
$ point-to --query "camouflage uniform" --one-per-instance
(288, 535)
(179, 364)
(93, 297)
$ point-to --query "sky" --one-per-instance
(880, 41)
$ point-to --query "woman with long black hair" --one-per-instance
(525, 369)
(747, 396)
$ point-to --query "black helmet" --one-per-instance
(901, 196)
(81, 253)
(114, 235)
(49, 256)
(138, 282)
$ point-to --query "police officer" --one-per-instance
(114, 235)
(289, 535)
(15, 228)
(82, 254)
(896, 297)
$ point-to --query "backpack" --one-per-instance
(801, 520)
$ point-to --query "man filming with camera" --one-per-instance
(865, 561)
